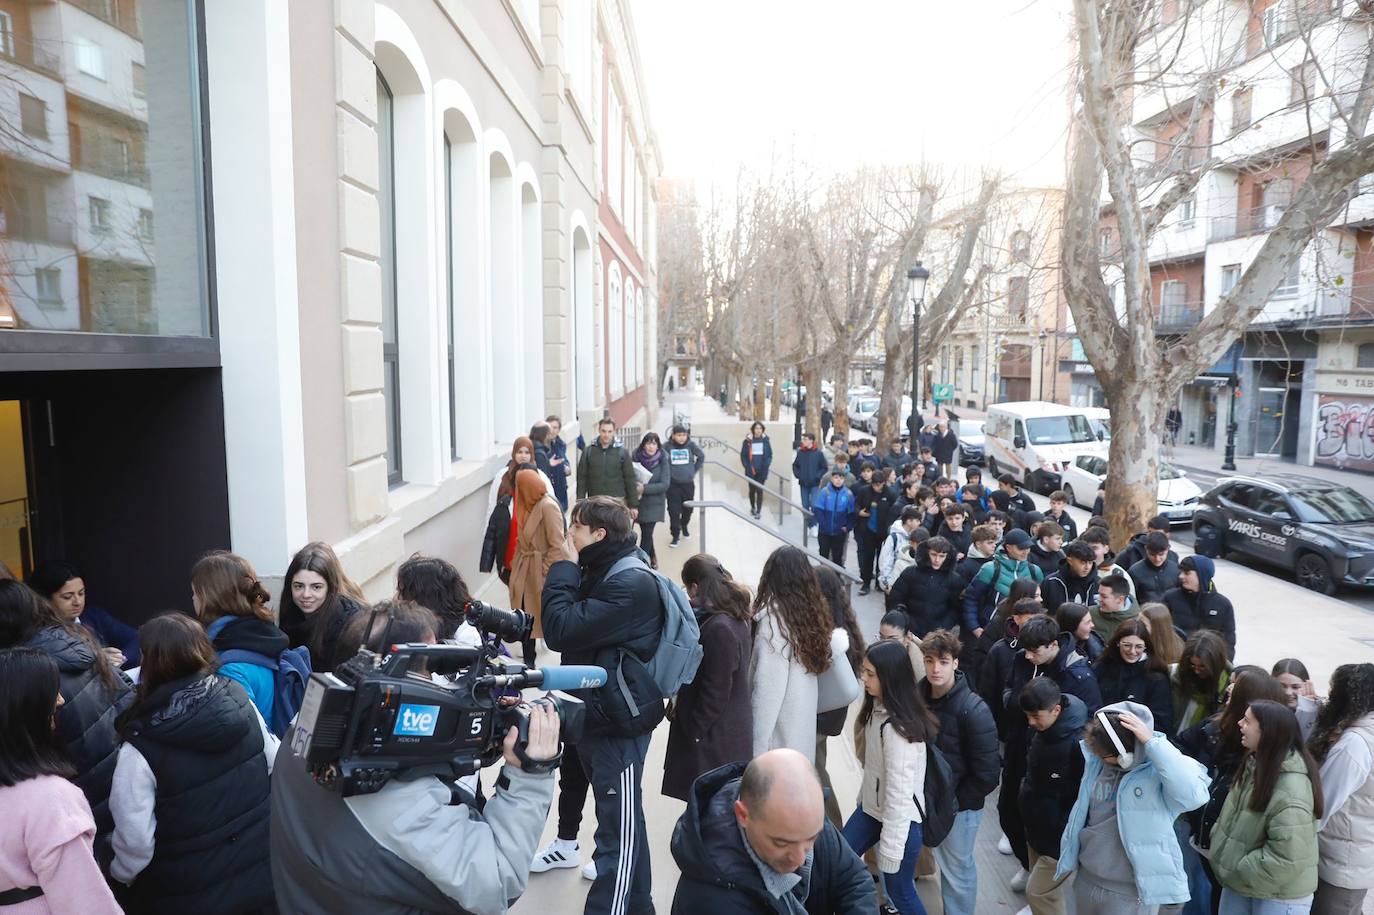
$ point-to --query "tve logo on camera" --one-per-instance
(416, 721)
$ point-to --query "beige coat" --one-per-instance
(539, 543)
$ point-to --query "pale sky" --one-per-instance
(854, 82)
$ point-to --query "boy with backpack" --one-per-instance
(610, 610)
(1054, 769)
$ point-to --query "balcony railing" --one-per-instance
(112, 12)
(31, 54)
(1246, 222)
(1176, 317)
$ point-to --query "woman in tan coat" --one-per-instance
(539, 544)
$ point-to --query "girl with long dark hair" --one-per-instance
(1200, 680)
(653, 494)
(61, 584)
(232, 605)
(1076, 618)
(317, 600)
(1128, 670)
(1264, 844)
(756, 456)
(93, 693)
(791, 648)
(1299, 692)
(191, 789)
(47, 860)
(890, 736)
(713, 721)
(1343, 743)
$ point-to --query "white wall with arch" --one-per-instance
(583, 311)
(532, 296)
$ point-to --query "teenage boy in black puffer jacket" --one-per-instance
(1054, 769)
(592, 619)
(928, 590)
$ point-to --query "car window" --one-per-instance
(1339, 505)
(1238, 494)
(1267, 502)
(1085, 463)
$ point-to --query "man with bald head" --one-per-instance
(755, 839)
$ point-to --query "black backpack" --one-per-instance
(939, 807)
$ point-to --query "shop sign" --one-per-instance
(1352, 382)
(1345, 432)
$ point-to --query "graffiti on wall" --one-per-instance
(1345, 432)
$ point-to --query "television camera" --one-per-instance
(377, 716)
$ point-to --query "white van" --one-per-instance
(1035, 441)
(1101, 420)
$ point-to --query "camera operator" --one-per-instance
(409, 848)
(610, 621)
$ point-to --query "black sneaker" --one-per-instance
(888, 909)
(685, 532)
(865, 590)
(672, 544)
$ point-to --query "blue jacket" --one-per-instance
(250, 634)
(111, 632)
(833, 509)
(756, 466)
(1160, 788)
(810, 466)
(559, 478)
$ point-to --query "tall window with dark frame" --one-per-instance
(386, 204)
(452, 316)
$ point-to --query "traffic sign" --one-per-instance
(942, 393)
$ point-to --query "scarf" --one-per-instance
(649, 461)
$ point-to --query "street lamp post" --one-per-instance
(1228, 461)
(916, 277)
(798, 405)
(1043, 335)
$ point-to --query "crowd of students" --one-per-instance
(1136, 766)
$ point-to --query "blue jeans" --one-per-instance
(1199, 887)
(862, 833)
(807, 494)
(1233, 903)
(958, 870)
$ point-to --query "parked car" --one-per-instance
(970, 432)
(1177, 495)
(1036, 441)
(1321, 531)
(863, 414)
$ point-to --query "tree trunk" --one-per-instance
(744, 400)
(811, 380)
(776, 406)
(842, 399)
(1131, 497)
(760, 403)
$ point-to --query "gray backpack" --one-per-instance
(678, 654)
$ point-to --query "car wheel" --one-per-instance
(1314, 573)
(1029, 482)
(1068, 491)
(1208, 540)
(992, 469)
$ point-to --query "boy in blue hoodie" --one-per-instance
(834, 514)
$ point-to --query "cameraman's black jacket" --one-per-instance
(592, 620)
(406, 850)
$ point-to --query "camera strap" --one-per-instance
(539, 766)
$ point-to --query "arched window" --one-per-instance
(386, 203)
(1020, 244)
(631, 335)
(615, 347)
(462, 215)
(640, 341)
(506, 380)
(532, 294)
(1364, 356)
(584, 351)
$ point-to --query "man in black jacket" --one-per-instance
(872, 502)
(755, 839)
(928, 590)
(1075, 581)
(1137, 549)
(944, 448)
(1157, 572)
(592, 618)
(1054, 769)
(1059, 514)
(968, 740)
(1016, 497)
(1047, 552)
(1197, 604)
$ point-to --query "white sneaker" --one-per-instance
(1004, 845)
(1025, 910)
(1018, 883)
(558, 853)
(589, 871)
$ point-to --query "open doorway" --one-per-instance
(16, 535)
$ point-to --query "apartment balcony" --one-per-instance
(1177, 317)
(39, 231)
(32, 55)
(1246, 222)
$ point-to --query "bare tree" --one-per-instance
(1124, 49)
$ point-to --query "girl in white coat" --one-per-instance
(1343, 742)
(792, 647)
(890, 736)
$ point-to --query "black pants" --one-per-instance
(615, 768)
(832, 546)
(572, 793)
(869, 543)
(646, 538)
(756, 496)
(1009, 815)
(679, 514)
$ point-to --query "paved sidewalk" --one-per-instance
(1275, 619)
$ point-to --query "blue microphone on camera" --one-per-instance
(566, 677)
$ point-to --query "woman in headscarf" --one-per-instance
(539, 544)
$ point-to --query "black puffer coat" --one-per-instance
(1120, 682)
(201, 738)
(1054, 768)
(968, 740)
(930, 596)
(1194, 610)
(86, 721)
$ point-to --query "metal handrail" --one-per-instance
(743, 516)
(782, 500)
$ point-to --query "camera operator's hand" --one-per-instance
(543, 736)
